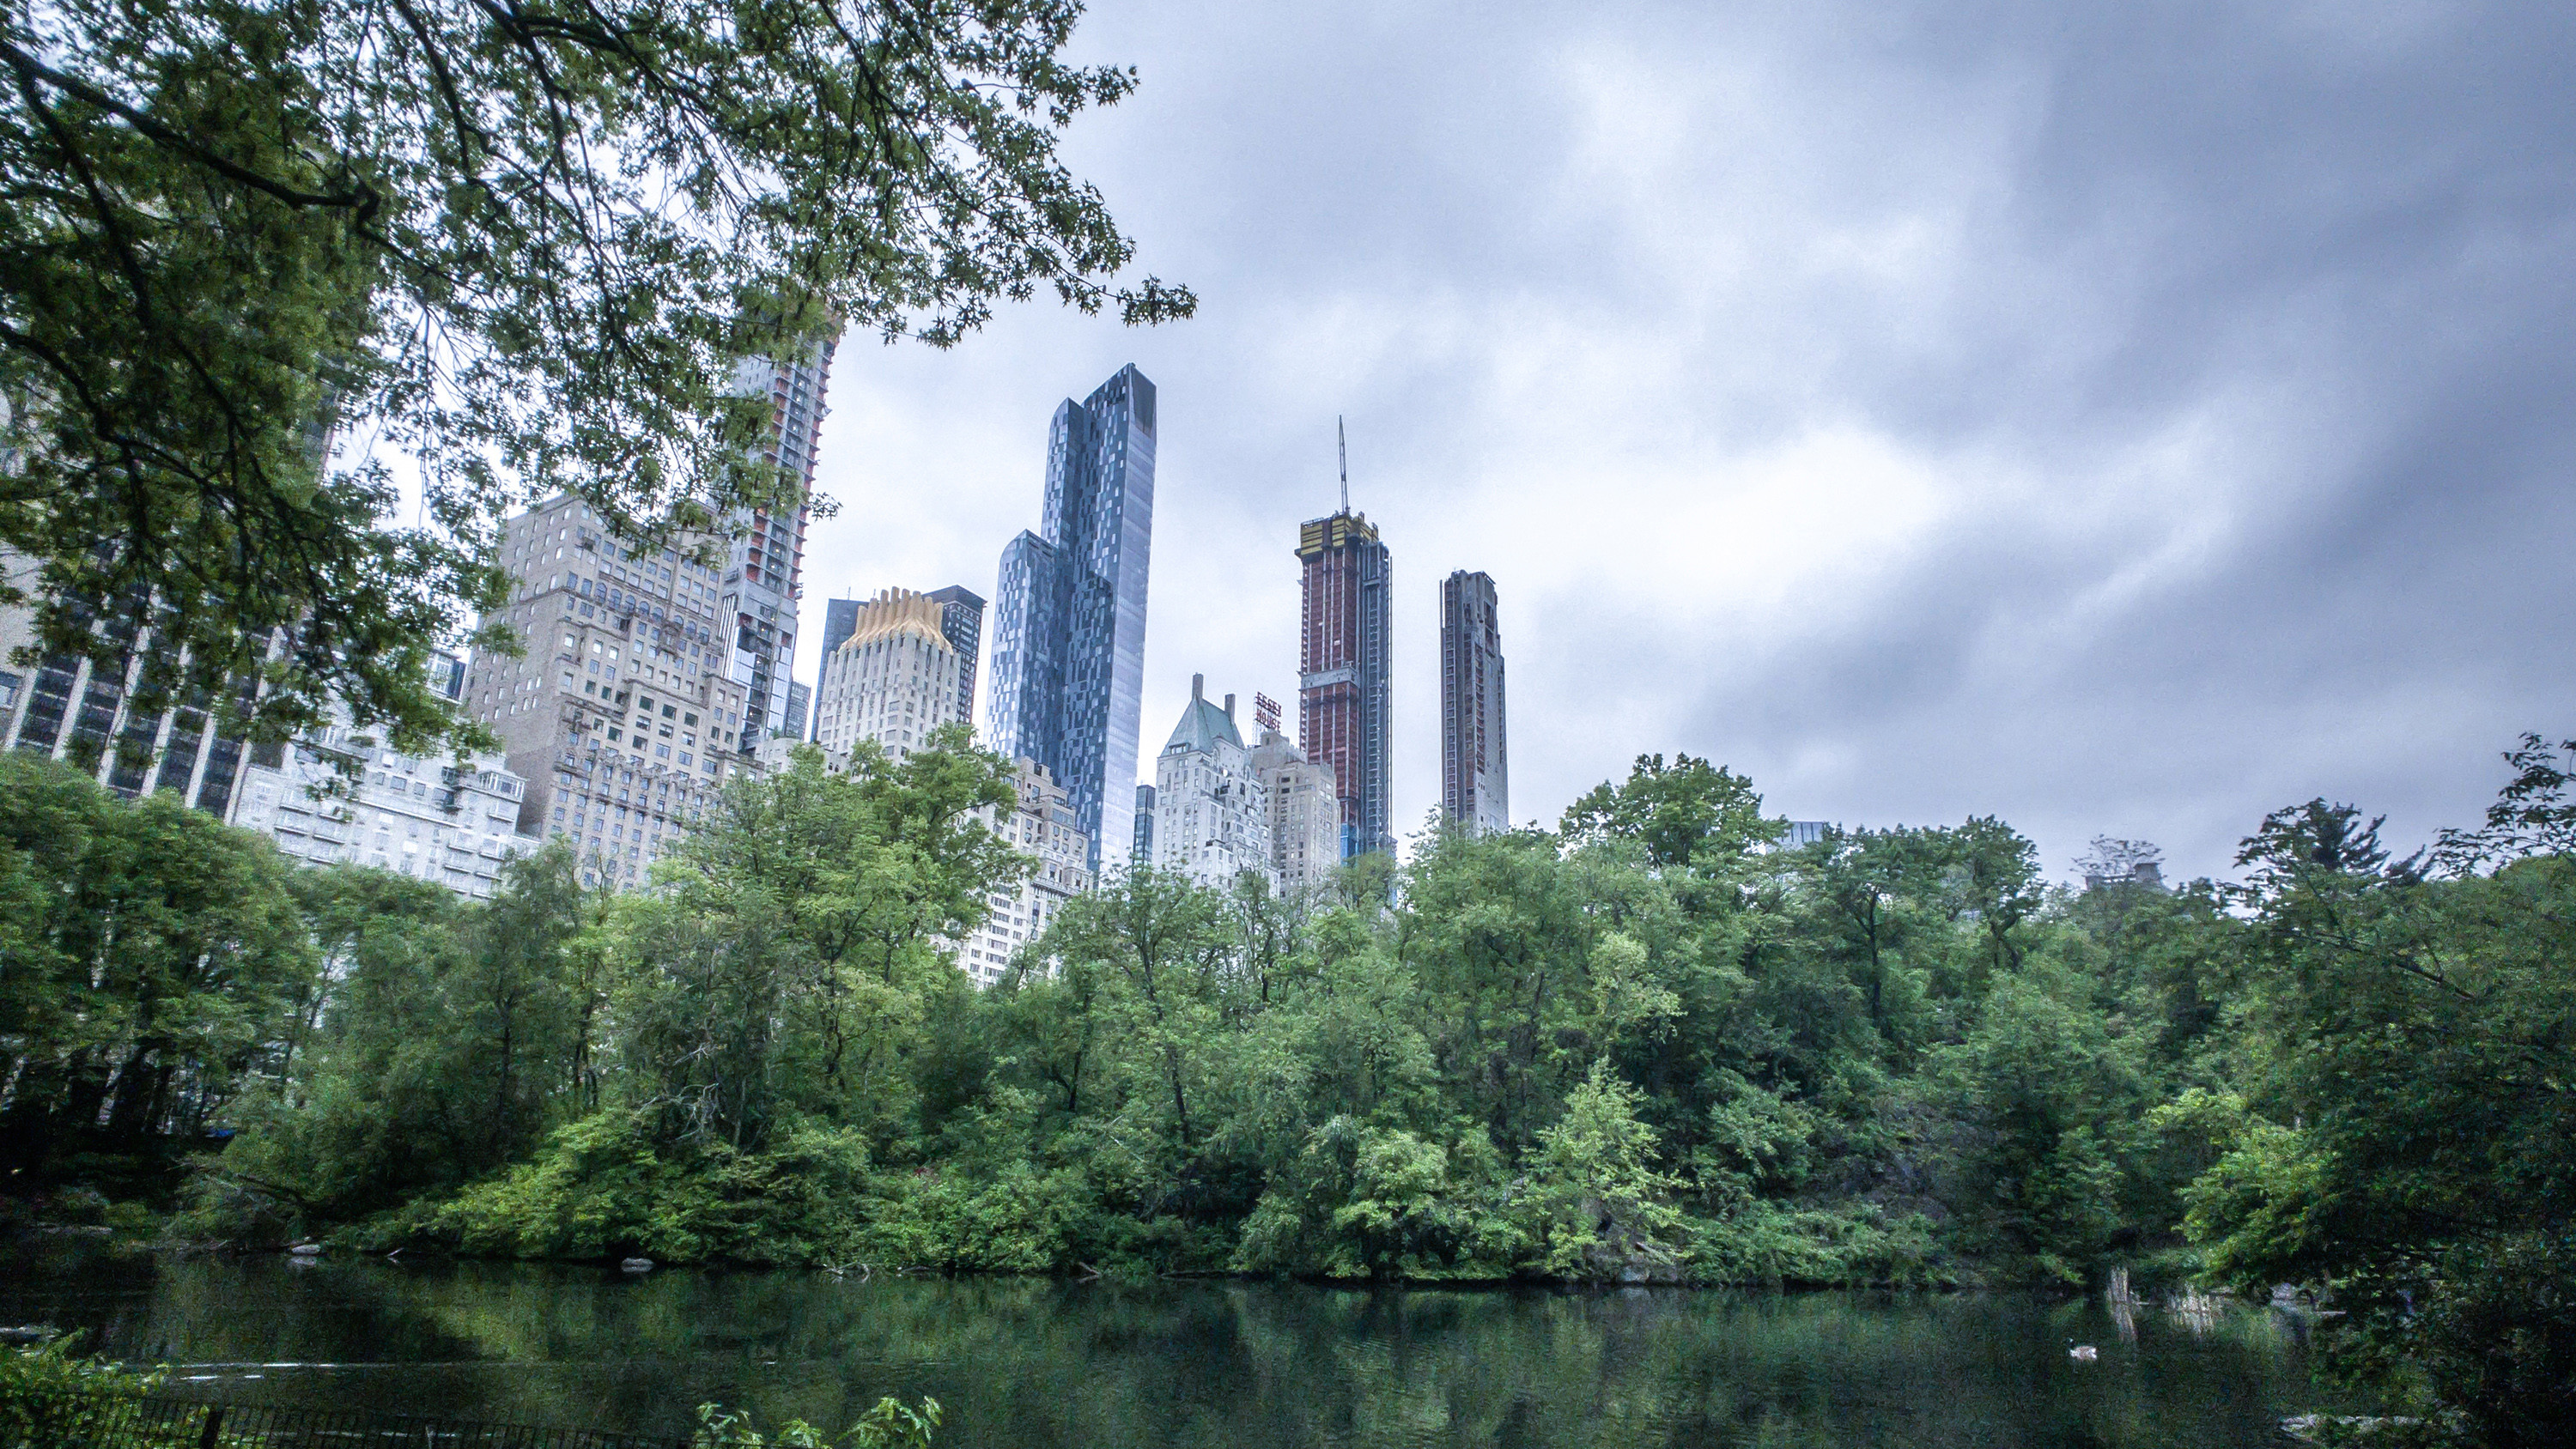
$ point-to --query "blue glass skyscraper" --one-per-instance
(1068, 665)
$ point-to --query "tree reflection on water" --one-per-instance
(1204, 1365)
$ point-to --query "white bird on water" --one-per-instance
(2082, 1352)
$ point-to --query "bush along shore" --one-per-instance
(1653, 1044)
(51, 1396)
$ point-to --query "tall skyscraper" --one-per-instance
(763, 573)
(893, 679)
(632, 701)
(961, 618)
(1069, 613)
(1344, 700)
(1474, 781)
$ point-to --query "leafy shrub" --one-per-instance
(1363, 1201)
(603, 1187)
(1596, 1206)
(50, 1397)
(890, 1425)
(1843, 1245)
(1020, 1220)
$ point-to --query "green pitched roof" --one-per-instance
(1202, 724)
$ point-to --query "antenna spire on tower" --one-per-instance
(1342, 436)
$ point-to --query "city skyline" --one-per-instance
(1925, 430)
(1915, 505)
(2017, 553)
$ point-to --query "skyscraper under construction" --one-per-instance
(1344, 700)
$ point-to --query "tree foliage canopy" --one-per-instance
(529, 241)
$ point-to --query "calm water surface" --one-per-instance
(1039, 1365)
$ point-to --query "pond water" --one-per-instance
(1199, 1365)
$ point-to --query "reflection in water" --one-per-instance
(1038, 1365)
(2198, 1312)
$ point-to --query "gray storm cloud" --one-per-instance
(2120, 419)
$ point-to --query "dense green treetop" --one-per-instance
(1684, 813)
(2405, 1134)
(794, 939)
(148, 957)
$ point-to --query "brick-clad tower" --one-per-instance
(1344, 701)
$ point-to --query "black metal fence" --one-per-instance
(163, 1423)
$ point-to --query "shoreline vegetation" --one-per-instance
(51, 1395)
(1651, 1045)
(2173, 1288)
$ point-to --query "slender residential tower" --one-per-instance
(1474, 780)
(1068, 666)
(1344, 700)
(762, 576)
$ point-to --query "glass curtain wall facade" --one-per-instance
(1345, 703)
(840, 616)
(1068, 672)
(1475, 781)
(962, 621)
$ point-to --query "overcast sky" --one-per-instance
(2121, 419)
